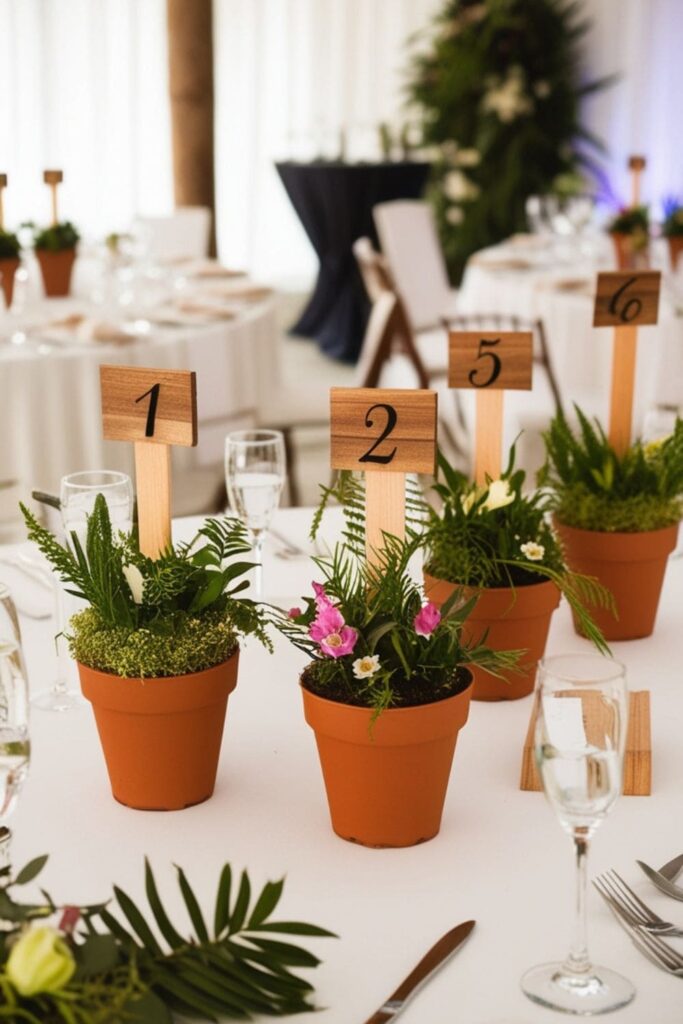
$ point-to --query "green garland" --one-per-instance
(498, 95)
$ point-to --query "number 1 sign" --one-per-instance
(625, 301)
(385, 433)
(490, 363)
(155, 409)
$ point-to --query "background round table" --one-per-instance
(334, 202)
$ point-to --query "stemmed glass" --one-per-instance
(15, 747)
(582, 711)
(77, 496)
(254, 475)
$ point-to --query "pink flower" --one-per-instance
(294, 613)
(339, 643)
(321, 598)
(328, 620)
(427, 619)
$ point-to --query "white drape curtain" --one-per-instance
(84, 88)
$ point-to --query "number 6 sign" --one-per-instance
(385, 433)
(155, 409)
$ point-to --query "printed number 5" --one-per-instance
(495, 367)
(152, 408)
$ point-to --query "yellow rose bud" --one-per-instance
(40, 961)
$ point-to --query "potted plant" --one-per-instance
(386, 689)
(56, 252)
(157, 651)
(672, 229)
(617, 515)
(630, 231)
(497, 543)
(9, 263)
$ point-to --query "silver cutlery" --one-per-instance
(672, 868)
(652, 946)
(614, 889)
(435, 958)
(661, 881)
(287, 549)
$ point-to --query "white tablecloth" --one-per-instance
(500, 858)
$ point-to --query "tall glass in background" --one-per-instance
(582, 711)
(15, 746)
(255, 469)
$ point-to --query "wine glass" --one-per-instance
(77, 495)
(254, 475)
(15, 747)
(582, 711)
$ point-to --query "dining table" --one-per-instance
(501, 857)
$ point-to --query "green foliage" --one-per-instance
(631, 220)
(596, 489)
(144, 969)
(498, 89)
(672, 225)
(147, 613)
(57, 237)
(9, 246)
(497, 536)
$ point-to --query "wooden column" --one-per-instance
(190, 58)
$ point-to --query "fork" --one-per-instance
(655, 949)
(622, 898)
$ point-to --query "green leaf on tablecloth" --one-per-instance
(239, 911)
(192, 905)
(222, 912)
(174, 939)
(266, 903)
(31, 870)
(97, 955)
(149, 1009)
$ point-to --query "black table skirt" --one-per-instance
(334, 202)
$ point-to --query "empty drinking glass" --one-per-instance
(15, 747)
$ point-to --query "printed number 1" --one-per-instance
(152, 409)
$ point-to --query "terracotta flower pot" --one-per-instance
(161, 737)
(386, 786)
(630, 255)
(631, 565)
(515, 618)
(675, 243)
(8, 268)
(56, 268)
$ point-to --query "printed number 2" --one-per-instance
(152, 409)
(495, 367)
(392, 417)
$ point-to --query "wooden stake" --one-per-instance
(3, 186)
(488, 453)
(153, 485)
(636, 165)
(385, 510)
(53, 178)
(623, 385)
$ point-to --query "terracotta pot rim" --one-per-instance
(493, 590)
(100, 673)
(394, 712)
(618, 534)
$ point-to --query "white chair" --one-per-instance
(183, 234)
(411, 248)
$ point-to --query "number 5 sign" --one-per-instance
(385, 433)
(155, 409)
(490, 363)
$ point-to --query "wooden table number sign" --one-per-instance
(53, 179)
(154, 409)
(384, 433)
(625, 300)
(490, 362)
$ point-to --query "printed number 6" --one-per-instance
(152, 409)
(632, 304)
(392, 418)
(496, 364)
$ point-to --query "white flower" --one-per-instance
(499, 495)
(454, 215)
(507, 99)
(135, 581)
(533, 551)
(458, 187)
(468, 157)
(365, 667)
(468, 500)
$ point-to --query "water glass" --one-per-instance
(15, 747)
(254, 476)
(581, 721)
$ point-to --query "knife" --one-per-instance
(437, 956)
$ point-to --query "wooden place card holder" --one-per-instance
(53, 179)
(384, 433)
(637, 758)
(154, 409)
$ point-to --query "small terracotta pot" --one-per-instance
(629, 256)
(8, 268)
(631, 565)
(516, 618)
(386, 783)
(56, 268)
(675, 243)
(161, 737)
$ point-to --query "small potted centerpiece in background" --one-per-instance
(672, 229)
(9, 263)
(496, 542)
(630, 231)
(387, 689)
(55, 249)
(157, 651)
(617, 516)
